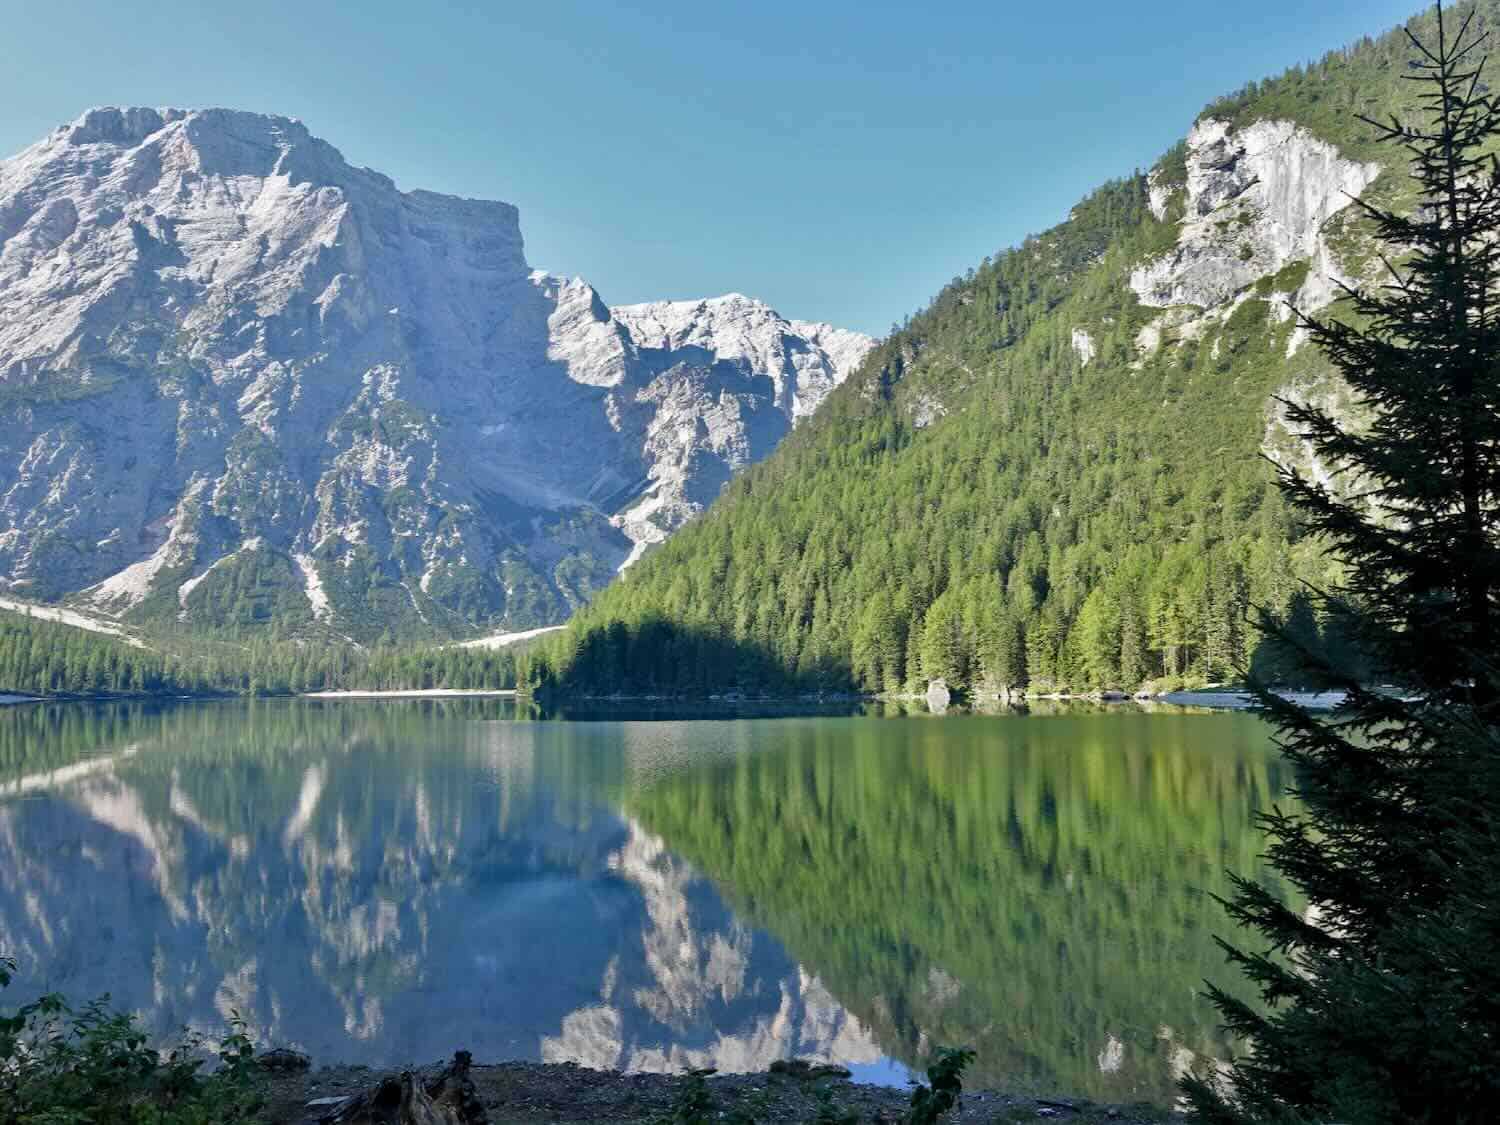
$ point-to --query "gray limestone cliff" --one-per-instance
(1254, 216)
(241, 380)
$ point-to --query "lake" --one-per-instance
(384, 882)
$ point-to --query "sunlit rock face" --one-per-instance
(1257, 198)
(226, 353)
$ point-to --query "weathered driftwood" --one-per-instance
(447, 1097)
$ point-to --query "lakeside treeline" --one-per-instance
(44, 658)
(999, 497)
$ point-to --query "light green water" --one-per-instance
(386, 882)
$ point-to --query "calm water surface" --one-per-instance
(385, 882)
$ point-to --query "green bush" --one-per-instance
(930, 1103)
(61, 1066)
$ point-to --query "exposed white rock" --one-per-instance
(312, 585)
(1148, 339)
(213, 329)
(1158, 195)
(1083, 346)
(925, 410)
(1283, 442)
(1176, 324)
(1257, 198)
(69, 617)
(1326, 279)
(804, 360)
(1112, 1055)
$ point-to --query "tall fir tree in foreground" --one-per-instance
(1383, 998)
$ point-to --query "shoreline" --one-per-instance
(1224, 699)
(409, 693)
(11, 699)
(523, 1093)
(1228, 699)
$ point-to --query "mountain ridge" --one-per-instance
(333, 406)
(1053, 477)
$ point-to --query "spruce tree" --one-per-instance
(1382, 998)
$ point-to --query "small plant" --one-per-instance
(830, 1112)
(694, 1103)
(929, 1103)
(753, 1109)
(95, 1066)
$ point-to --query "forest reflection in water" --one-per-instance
(384, 882)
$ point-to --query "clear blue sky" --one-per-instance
(839, 158)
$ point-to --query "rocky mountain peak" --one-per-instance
(242, 377)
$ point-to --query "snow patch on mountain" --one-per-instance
(505, 640)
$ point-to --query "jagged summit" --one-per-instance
(240, 376)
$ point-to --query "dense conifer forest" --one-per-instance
(987, 503)
(45, 658)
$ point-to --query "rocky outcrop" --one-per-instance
(241, 379)
(1083, 346)
(1256, 199)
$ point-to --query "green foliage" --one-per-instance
(44, 658)
(93, 1066)
(995, 882)
(694, 1103)
(979, 503)
(1365, 79)
(946, 1074)
(1379, 1000)
(250, 589)
(829, 1111)
(1061, 526)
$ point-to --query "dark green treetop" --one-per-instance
(1382, 994)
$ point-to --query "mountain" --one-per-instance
(1054, 477)
(244, 382)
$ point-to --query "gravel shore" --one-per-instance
(520, 1092)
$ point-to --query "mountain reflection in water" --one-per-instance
(386, 882)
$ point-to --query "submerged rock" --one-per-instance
(806, 1068)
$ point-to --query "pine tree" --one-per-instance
(1381, 999)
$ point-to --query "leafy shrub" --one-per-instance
(694, 1103)
(61, 1066)
(929, 1103)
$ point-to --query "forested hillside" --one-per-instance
(1056, 475)
(43, 658)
